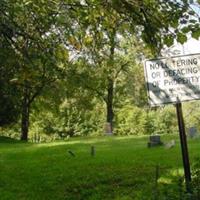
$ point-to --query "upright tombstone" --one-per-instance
(192, 132)
(108, 128)
(154, 140)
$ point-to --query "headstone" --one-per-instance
(92, 151)
(192, 132)
(108, 128)
(170, 144)
(154, 140)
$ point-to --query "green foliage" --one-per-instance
(4, 140)
(10, 107)
(78, 115)
(9, 101)
(182, 38)
(191, 114)
(196, 34)
(37, 52)
(87, 52)
(169, 40)
(159, 20)
(132, 120)
(196, 178)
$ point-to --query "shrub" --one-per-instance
(132, 120)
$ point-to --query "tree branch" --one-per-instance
(101, 95)
(120, 69)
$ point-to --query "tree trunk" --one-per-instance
(109, 105)
(25, 115)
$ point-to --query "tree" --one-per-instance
(28, 28)
(9, 101)
(99, 36)
(41, 38)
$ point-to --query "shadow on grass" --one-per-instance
(4, 139)
(133, 184)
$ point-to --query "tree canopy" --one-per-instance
(87, 52)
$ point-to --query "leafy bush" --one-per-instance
(66, 121)
(196, 179)
(132, 120)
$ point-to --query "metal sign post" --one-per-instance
(169, 78)
(184, 149)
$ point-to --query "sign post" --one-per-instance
(184, 149)
(174, 80)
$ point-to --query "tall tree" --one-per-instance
(9, 101)
(101, 60)
(39, 34)
(102, 24)
(28, 28)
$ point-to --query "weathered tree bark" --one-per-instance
(29, 95)
(25, 114)
(109, 105)
(110, 86)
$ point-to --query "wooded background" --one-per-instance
(75, 68)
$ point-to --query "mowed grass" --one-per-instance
(123, 168)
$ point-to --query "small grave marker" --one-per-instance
(192, 132)
(170, 144)
(154, 140)
(92, 151)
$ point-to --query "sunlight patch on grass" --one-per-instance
(165, 180)
(52, 144)
(69, 142)
(87, 140)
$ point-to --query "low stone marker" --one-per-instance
(170, 144)
(92, 151)
(154, 140)
(192, 132)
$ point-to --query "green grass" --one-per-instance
(122, 169)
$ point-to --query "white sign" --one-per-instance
(169, 79)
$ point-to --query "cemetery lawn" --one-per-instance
(123, 168)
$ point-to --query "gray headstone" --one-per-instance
(108, 129)
(192, 132)
(154, 140)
